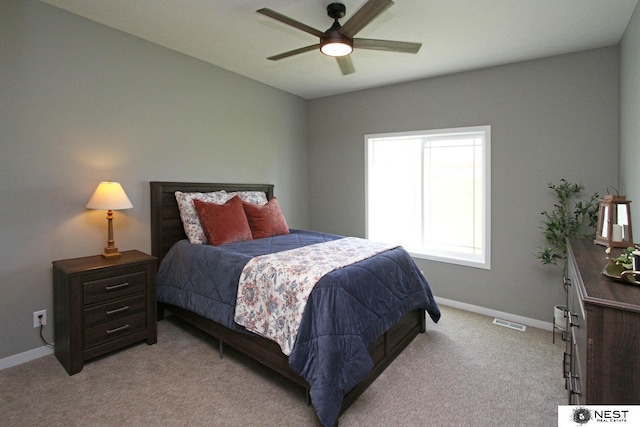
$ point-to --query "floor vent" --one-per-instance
(507, 324)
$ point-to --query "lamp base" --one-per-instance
(111, 252)
(116, 255)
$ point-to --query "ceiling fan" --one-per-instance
(339, 40)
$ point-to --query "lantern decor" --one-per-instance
(614, 222)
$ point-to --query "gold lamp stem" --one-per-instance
(110, 250)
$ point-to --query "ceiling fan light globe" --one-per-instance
(336, 48)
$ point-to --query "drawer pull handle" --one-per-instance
(572, 385)
(571, 324)
(117, 310)
(566, 363)
(118, 329)
(116, 287)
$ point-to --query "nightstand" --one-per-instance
(102, 304)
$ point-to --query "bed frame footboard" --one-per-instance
(268, 353)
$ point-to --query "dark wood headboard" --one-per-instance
(166, 225)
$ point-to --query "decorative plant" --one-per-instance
(624, 261)
(620, 267)
(569, 218)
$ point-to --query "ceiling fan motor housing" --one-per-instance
(336, 10)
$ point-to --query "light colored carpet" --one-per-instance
(464, 371)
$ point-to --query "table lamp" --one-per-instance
(109, 196)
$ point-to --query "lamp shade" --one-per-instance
(109, 196)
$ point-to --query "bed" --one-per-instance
(384, 341)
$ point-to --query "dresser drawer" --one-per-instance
(113, 287)
(105, 331)
(114, 310)
(576, 380)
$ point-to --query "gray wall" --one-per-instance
(630, 118)
(83, 103)
(552, 118)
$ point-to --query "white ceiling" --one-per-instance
(456, 35)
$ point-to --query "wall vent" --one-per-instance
(507, 324)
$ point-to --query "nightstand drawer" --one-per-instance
(114, 310)
(113, 287)
(106, 331)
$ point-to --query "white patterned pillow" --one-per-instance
(189, 215)
(255, 197)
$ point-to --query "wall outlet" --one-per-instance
(36, 319)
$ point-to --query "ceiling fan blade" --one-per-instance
(364, 16)
(294, 52)
(289, 21)
(387, 45)
(346, 66)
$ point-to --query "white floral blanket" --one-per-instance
(274, 288)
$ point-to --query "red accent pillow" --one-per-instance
(265, 220)
(223, 223)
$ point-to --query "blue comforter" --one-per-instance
(347, 311)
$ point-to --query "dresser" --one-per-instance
(101, 305)
(602, 359)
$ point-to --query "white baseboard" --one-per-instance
(36, 353)
(24, 357)
(534, 323)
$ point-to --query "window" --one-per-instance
(429, 191)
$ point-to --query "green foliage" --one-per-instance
(625, 259)
(569, 218)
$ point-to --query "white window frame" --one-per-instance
(478, 261)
